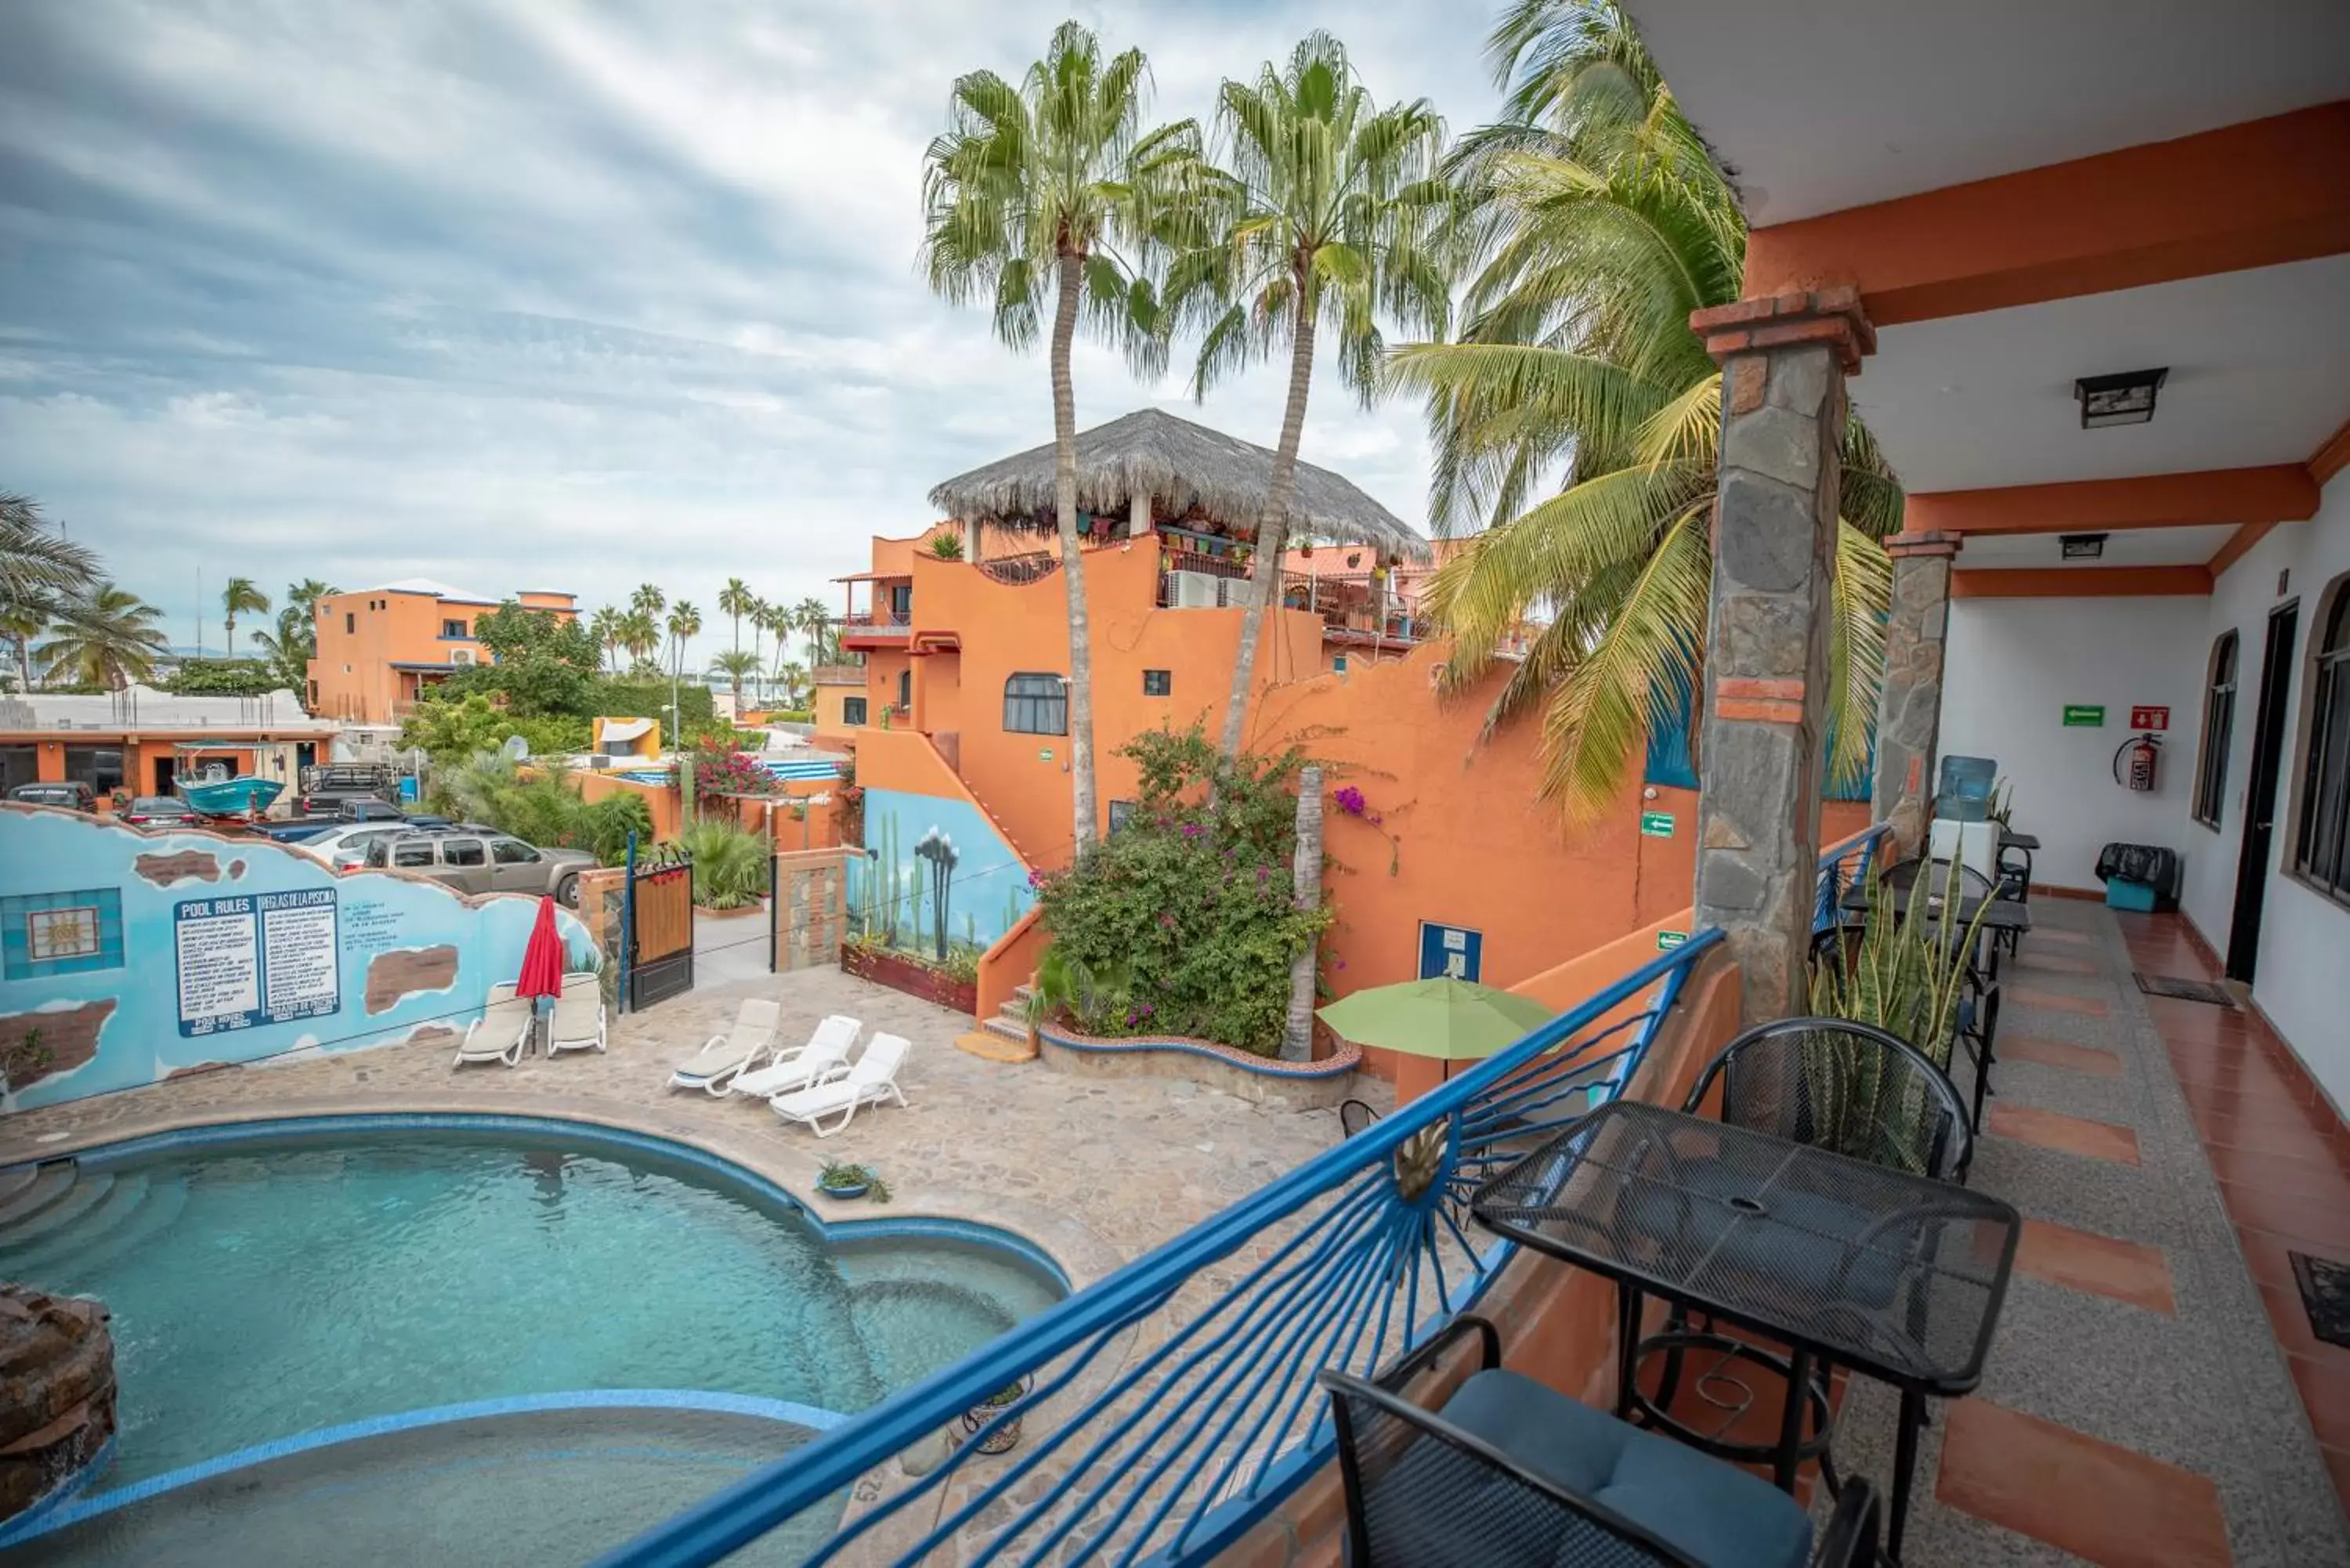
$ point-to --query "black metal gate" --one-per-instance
(658, 915)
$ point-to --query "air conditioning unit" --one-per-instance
(1232, 592)
(1194, 590)
(461, 656)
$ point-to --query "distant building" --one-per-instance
(141, 739)
(380, 648)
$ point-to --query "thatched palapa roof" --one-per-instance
(1176, 464)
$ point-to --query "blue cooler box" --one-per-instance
(2121, 894)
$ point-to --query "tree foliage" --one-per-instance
(546, 663)
(226, 677)
(1191, 901)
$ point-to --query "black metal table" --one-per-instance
(1894, 1276)
(2003, 914)
(2010, 839)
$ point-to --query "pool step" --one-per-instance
(52, 1180)
(83, 1192)
(64, 1249)
(158, 1209)
(15, 1179)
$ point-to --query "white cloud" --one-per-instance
(506, 293)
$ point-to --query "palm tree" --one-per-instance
(1601, 224)
(736, 666)
(604, 626)
(305, 595)
(1029, 192)
(756, 614)
(36, 562)
(296, 640)
(793, 682)
(810, 617)
(1327, 206)
(107, 638)
(684, 622)
(242, 596)
(20, 622)
(735, 599)
(649, 598)
(639, 633)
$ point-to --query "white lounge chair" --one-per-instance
(715, 1065)
(872, 1080)
(501, 1034)
(828, 1050)
(578, 1021)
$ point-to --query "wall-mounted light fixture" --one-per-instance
(2082, 546)
(2127, 398)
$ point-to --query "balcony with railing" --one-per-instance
(1358, 610)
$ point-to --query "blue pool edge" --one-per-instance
(63, 1508)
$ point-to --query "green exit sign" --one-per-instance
(1657, 824)
(2084, 715)
(1668, 941)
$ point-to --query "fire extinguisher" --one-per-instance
(2133, 763)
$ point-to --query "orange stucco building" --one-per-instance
(380, 648)
(963, 669)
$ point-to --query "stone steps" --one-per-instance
(51, 1180)
(81, 1193)
(45, 1243)
(15, 1179)
(156, 1211)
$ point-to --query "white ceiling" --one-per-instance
(2259, 373)
(1819, 105)
(2139, 548)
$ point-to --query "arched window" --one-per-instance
(2322, 845)
(1036, 705)
(2218, 722)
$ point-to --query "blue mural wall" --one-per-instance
(137, 956)
(916, 846)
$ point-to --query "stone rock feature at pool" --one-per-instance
(56, 1392)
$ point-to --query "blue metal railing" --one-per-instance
(1171, 1405)
(1842, 865)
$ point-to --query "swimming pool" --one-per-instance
(274, 1280)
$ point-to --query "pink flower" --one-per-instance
(1347, 799)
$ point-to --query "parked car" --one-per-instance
(339, 813)
(325, 786)
(482, 862)
(345, 846)
(72, 797)
(160, 811)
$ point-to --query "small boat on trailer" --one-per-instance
(217, 793)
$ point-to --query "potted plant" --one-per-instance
(1005, 1435)
(1907, 976)
(845, 1182)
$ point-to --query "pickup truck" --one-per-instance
(326, 785)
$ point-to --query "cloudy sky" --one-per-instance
(525, 293)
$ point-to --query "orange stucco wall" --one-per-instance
(361, 636)
(661, 800)
(1006, 630)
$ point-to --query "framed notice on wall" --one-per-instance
(262, 957)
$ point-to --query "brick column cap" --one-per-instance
(1925, 544)
(1831, 315)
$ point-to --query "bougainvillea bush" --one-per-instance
(731, 772)
(1192, 899)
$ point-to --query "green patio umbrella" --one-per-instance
(1443, 1019)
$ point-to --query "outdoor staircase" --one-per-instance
(56, 1217)
(1002, 1038)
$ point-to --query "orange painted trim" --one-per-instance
(2254, 194)
(1759, 710)
(2238, 542)
(2080, 582)
(1751, 686)
(2281, 493)
(2332, 457)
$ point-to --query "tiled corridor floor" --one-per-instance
(2144, 1402)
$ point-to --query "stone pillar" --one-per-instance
(1909, 705)
(812, 912)
(1784, 360)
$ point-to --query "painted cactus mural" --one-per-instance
(928, 860)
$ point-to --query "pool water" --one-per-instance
(271, 1288)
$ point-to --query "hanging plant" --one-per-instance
(1349, 801)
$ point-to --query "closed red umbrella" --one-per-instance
(542, 960)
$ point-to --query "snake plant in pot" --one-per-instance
(1907, 976)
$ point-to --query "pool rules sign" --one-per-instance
(260, 958)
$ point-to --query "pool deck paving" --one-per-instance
(1096, 1170)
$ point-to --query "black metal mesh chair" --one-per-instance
(1848, 1087)
(1941, 880)
(1490, 1481)
(1354, 1115)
